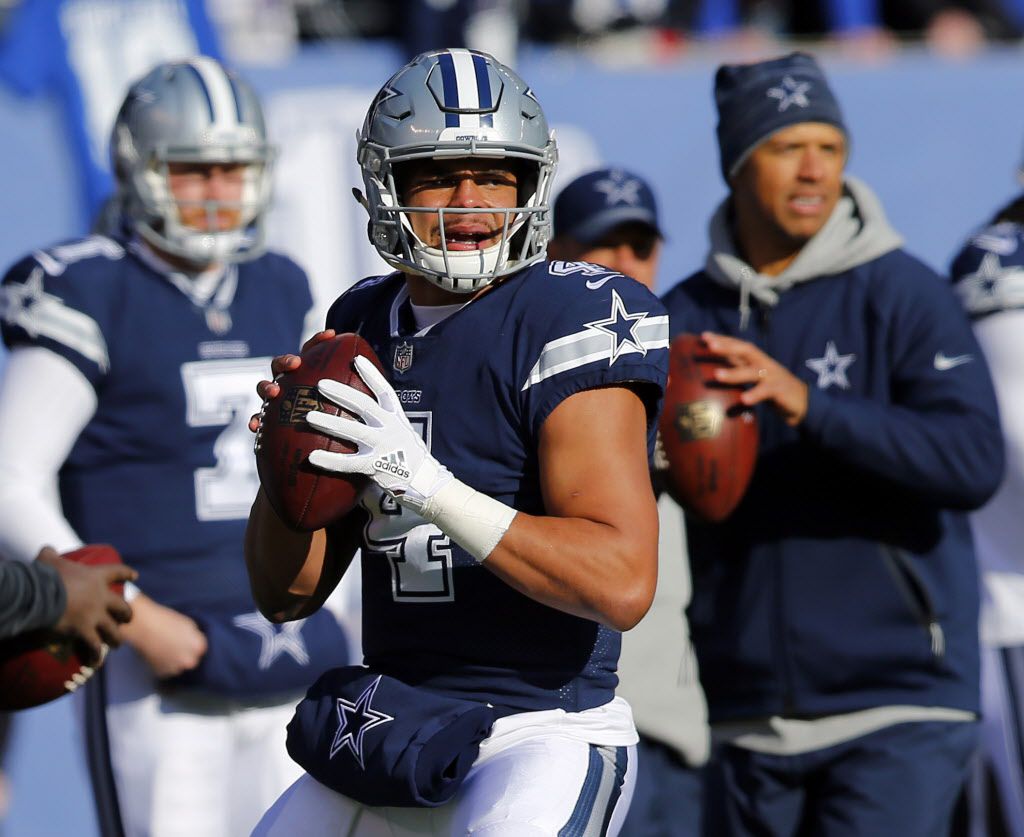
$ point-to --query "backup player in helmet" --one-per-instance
(155, 337)
(508, 529)
(179, 125)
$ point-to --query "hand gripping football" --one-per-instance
(709, 436)
(43, 665)
(304, 497)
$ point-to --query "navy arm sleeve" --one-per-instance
(31, 596)
(939, 434)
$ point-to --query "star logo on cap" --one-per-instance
(355, 720)
(621, 327)
(791, 92)
(619, 189)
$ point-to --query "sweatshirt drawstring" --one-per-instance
(746, 279)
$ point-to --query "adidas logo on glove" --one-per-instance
(393, 463)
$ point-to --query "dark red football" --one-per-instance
(709, 437)
(40, 666)
(305, 497)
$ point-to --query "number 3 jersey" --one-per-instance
(164, 469)
(478, 386)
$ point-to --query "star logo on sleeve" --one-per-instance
(275, 641)
(355, 720)
(831, 368)
(791, 92)
(621, 327)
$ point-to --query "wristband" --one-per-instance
(473, 520)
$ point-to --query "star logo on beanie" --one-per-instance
(791, 92)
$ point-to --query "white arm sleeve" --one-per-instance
(34, 443)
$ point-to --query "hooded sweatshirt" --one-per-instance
(845, 579)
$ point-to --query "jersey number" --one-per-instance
(419, 553)
(223, 392)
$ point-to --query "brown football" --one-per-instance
(40, 666)
(305, 497)
(709, 436)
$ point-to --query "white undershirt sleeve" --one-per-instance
(45, 403)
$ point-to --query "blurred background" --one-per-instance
(933, 93)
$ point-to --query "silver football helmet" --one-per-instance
(191, 111)
(447, 104)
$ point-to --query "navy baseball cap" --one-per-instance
(597, 202)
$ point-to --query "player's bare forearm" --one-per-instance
(283, 564)
(596, 554)
(581, 567)
(292, 573)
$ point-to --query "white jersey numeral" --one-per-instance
(223, 392)
(419, 553)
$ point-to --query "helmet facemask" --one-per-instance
(162, 222)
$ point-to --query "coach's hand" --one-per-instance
(772, 382)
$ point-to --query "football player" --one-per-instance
(987, 275)
(150, 342)
(508, 532)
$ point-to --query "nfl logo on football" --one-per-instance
(403, 358)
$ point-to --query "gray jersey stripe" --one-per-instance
(589, 346)
(29, 307)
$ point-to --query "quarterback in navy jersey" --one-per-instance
(150, 342)
(508, 532)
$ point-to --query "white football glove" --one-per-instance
(389, 451)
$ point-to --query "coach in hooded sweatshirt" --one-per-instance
(835, 611)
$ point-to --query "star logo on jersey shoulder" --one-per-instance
(16, 299)
(286, 639)
(988, 274)
(791, 92)
(992, 286)
(355, 720)
(621, 327)
(617, 188)
(831, 368)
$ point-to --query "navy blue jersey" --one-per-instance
(479, 386)
(164, 470)
(989, 272)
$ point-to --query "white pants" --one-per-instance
(537, 775)
(181, 764)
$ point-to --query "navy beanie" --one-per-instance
(756, 100)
